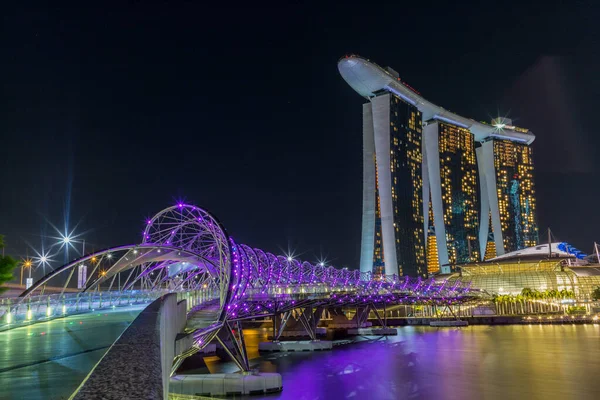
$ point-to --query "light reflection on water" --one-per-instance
(476, 362)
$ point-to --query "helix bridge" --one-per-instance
(186, 250)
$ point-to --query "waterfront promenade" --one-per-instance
(49, 360)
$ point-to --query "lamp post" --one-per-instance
(27, 263)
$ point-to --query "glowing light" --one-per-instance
(42, 258)
(29, 314)
(289, 258)
(8, 318)
(48, 311)
(109, 256)
(67, 239)
(64, 309)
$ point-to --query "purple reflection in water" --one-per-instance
(495, 362)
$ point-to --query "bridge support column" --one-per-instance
(232, 341)
(307, 319)
(279, 324)
(362, 314)
(382, 321)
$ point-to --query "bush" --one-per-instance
(576, 310)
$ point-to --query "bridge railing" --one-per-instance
(15, 311)
(196, 297)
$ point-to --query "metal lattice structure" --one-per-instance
(186, 250)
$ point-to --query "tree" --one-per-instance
(596, 293)
(7, 265)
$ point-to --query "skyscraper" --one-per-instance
(392, 234)
(433, 180)
(451, 186)
(507, 191)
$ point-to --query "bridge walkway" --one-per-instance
(49, 360)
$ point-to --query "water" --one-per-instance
(476, 362)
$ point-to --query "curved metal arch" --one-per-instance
(254, 267)
(306, 272)
(284, 270)
(161, 253)
(273, 268)
(157, 253)
(264, 268)
(201, 232)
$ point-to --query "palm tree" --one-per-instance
(553, 295)
(596, 293)
(520, 299)
(526, 292)
(496, 300)
(513, 304)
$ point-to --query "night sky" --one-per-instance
(110, 114)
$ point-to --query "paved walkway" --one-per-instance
(49, 360)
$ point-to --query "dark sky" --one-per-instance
(113, 113)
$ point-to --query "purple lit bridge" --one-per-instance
(186, 251)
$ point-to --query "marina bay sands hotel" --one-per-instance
(439, 189)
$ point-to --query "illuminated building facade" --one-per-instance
(490, 248)
(451, 185)
(476, 177)
(508, 192)
(432, 257)
(392, 235)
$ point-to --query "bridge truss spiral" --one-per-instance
(186, 249)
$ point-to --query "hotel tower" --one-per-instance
(439, 189)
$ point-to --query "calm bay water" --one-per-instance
(477, 362)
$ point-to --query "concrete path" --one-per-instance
(49, 360)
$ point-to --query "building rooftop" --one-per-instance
(558, 249)
(367, 78)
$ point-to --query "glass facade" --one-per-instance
(490, 250)
(433, 263)
(378, 260)
(516, 194)
(513, 277)
(407, 185)
(458, 176)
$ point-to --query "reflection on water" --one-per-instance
(477, 362)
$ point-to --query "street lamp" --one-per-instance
(26, 263)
